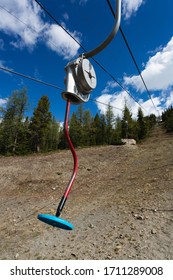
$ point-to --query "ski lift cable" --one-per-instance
(28, 26)
(110, 37)
(80, 81)
(50, 85)
(89, 53)
(133, 57)
(29, 77)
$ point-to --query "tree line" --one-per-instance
(42, 132)
(167, 117)
(23, 135)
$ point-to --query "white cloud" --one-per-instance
(150, 109)
(3, 101)
(158, 75)
(130, 7)
(118, 99)
(158, 72)
(169, 100)
(110, 85)
(24, 11)
(59, 41)
(24, 22)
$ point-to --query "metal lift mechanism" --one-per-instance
(79, 82)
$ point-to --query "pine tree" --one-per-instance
(96, 134)
(53, 135)
(152, 121)
(12, 123)
(80, 114)
(142, 125)
(126, 124)
(167, 117)
(109, 124)
(75, 130)
(40, 124)
(62, 140)
(103, 129)
(24, 137)
(86, 129)
(117, 132)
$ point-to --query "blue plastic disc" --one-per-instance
(55, 221)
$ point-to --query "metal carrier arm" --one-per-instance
(111, 35)
(80, 81)
(80, 75)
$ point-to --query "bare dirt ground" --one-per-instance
(121, 203)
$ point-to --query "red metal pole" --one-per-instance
(75, 159)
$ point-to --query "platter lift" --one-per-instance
(79, 82)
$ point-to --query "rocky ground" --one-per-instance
(121, 203)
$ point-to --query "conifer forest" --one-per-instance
(41, 132)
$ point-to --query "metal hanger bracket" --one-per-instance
(80, 75)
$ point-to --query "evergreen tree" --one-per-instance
(24, 137)
(167, 117)
(80, 114)
(117, 132)
(109, 124)
(96, 133)
(75, 130)
(12, 123)
(53, 135)
(152, 121)
(62, 140)
(86, 129)
(103, 129)
(40, 124)
(126, 124)
(142, 125)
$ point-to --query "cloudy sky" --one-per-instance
(31, 43)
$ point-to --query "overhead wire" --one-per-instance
(84, 49)
(58, 23)
(39, 81)
(28, 26)
(133, 57)
(21, 21)
(29, 77)
(50, 85)
(111, 106)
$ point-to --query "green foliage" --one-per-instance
(142, 125)
(117, 132)
(20, 135)
(167, 117)
(127, 124)
(97, 127)
(42, 132)
(75, 130)
(109, 124)
(12, 124)
(105, 129)
(152, 120)
(40, 125)
(53, 135)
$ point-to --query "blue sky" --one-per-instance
(32, 44)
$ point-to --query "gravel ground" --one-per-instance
(121, 203)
